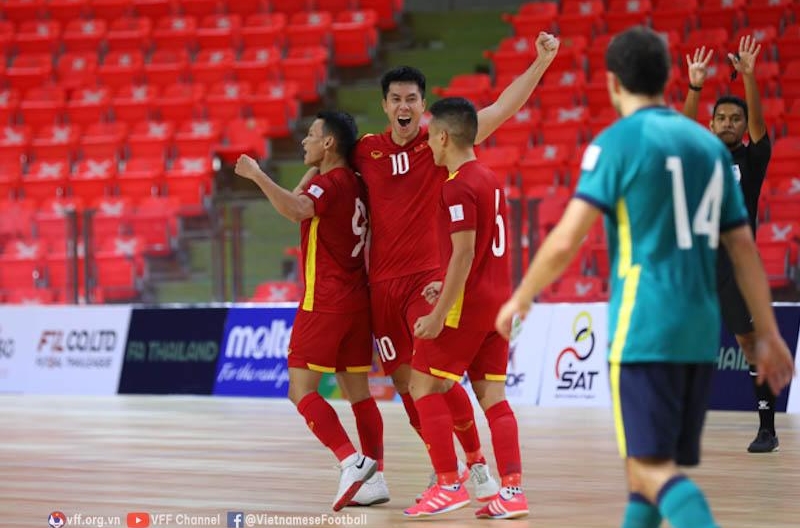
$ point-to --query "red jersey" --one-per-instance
(403, 187)
(333, 244)
(472, 199)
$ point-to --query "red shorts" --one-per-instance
(482, 354)
(331, 342)
(396, 306)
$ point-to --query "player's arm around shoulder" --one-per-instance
(292, 206)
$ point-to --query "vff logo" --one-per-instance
(568, 363)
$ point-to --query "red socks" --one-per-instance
(322, 420)
(505, 441)
(411, 411)
(437, 432)
(464, 420)
(370, 429)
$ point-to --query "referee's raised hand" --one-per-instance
(698, 66)
(745, 61)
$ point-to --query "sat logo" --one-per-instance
(570, 373)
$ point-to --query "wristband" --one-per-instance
(695, 88)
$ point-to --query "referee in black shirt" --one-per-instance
(732, 117)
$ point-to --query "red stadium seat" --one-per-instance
(264, 30)
(84, 35)
(244, 136)
(151, 139)
(199, 8)
(312, 28)
(622, 14)
(179, 102)
(9, 103)
(675, 15)
(112, 218)
(258, 65)
(580, 18)
(565, 89)
(45, 180)
(388, 11)
(725, 14)
(129, 34)
(19, 11)
(43, 106)
(88, 105)
(277, 103)
(219, 31)
(788, 45)
(121, 69)
(56, 143)
(141, 178)
(767, 12)
(519, 130)
(226, 100)
(354, 43)
(153, 8)
(37, 36)
(109, 10)
(502, 160)
(93, 178)
(212, 66)
(167, 66)
(155, 222)
(197, 138)
(533, 17)
(132, 103)
(29, 70)
(473, 86)
(576, 289)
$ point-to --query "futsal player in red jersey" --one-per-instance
(403, 188)
(458, 335)
(331, 331)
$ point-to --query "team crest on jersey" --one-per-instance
(376, 154)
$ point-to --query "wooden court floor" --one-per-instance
(199, 456)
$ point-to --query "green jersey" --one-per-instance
(667, 190)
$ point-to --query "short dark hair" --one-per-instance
(639, 57)
(342, 127)
(459, 117)
(731, 99)
(403, 74)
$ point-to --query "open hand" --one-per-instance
(745, 61)
(698, 65)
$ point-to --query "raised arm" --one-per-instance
(295, 207)
(517, 93)
(698, 70)
(557, 251)
(745, 64)
(773, 359)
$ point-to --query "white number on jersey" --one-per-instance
(498, 241)
(400, 163)
(386, 349)
(359, 223)
(706, 218)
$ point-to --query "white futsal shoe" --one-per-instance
(356, 469)
(373, 491)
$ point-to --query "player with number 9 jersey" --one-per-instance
(658, 256)
(333, 258)
(335, 302)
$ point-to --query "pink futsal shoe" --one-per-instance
(437, 500)
(510, 503)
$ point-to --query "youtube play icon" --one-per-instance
(138, 520)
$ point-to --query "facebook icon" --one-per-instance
(235, 519)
